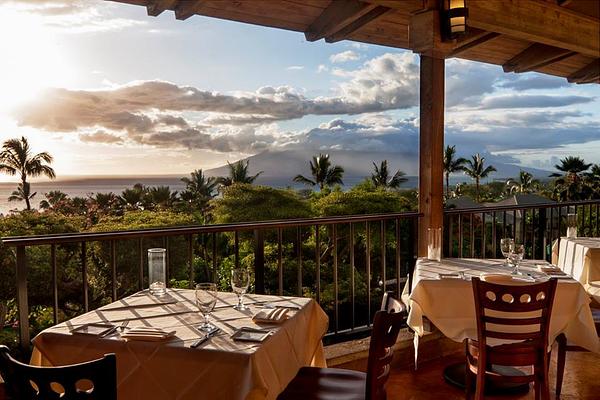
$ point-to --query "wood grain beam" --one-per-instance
(186, 8)
(532, 20)
(535, 56)
(357, 24)
(588, 74)
(156, 7)
(465, 45)
(563, 3)
(337, 16)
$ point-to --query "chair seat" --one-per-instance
(313, 383)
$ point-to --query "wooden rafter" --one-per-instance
(473, 41)
(187, 8)
(342, 14)
(357, 24)
(536, 56)
(588, 74)
(156, 7)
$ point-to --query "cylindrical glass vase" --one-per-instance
(157, 271)
(434, 244)
(571, 225)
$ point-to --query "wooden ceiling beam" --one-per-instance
(156, 7)
(535, 56)
(340, 14)
(588, 74)
(473, 41)
(186, 8)
(357, 24)
(563, 3)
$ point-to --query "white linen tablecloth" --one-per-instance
(580, 257)
(449, 304)
(219, 369)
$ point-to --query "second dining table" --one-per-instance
(220, 368)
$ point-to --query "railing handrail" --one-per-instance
(76, 237)
(510, 207)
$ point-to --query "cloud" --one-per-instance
(100, 137)
(535, 82)
(295, 67)
(322, 68)
(344, 56)
(532, 101)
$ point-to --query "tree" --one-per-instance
(16, 158)
(238, 173)
(199, 189)
(381, 179)
(525, 184)
(593, 179)
(133, 199)
(162, 196)
(476, 169)
(322, 172)
(23, 193)
(452, 165)
(568, 184)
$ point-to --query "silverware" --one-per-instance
(124, 325)
(204, 339)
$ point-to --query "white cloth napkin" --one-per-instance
(147, 334)
(271, 315)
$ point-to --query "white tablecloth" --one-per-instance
(449, 304)
(218, 369)
(580, 257)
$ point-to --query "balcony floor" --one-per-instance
(581, 380)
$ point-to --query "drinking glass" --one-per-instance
(240, 281)
(157, 271)
(206, 298)
(571, 225)
(517, 256)
(507, 245)
(434, 244)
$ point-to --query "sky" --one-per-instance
(108, 90)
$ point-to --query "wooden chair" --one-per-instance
(563, 347)
(504, 306)
(94, 380)
(313, 383)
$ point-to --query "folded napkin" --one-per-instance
(452, 275)
(507, 279)
(550, 269)
(271, 315)
(147, 334)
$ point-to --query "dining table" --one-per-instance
(219, 368)
(580, 257)
(441, 293)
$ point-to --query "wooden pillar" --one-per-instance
(431, 147)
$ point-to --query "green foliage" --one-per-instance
(142, 220)
(244, 202)
(360, 201)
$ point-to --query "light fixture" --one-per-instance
(454, 23)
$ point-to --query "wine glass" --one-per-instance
(240, 281)
(206, 298)
(507, 246)
(516, 257)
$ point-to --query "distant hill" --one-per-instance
(281, 166)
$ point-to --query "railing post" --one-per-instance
(542, 237)
(22, 299)
(259, 261)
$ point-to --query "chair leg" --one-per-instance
(480, 382)
(545, 381)
(468, 381)
(560, 362)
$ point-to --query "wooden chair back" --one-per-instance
(508, 304)
(94, 380)
(386, 326)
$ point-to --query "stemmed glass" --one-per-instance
(516, 257)
(240, 281)
(507, 246)
(206, 298)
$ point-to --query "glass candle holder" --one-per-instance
(157, 271)
(571, 225)
(434, 244)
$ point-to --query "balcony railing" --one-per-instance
(345, 263)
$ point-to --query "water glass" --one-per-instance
(206, 298)
(516, 257)
(507, 246)
(240, 281)
(571, 225)
(434, 244)
(157, 271)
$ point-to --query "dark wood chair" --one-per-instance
(313, 383)
(500, 309)
(94, 380)
(563, 347)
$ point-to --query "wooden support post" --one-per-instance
(431, 147)
(22, 298)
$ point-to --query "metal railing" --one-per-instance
(354, 259)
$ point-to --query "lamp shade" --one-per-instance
(455, 18)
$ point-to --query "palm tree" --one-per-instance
(525, 184)
(381, 177)
(54, 199)
(476, 169)
(162, 196)
(133, 198)
(23, 193)
(238, 173)
(16, 158)
(323, 173)
(568, 185)
(200, 185)
(593, 179)
(452, 165)
(572, 167)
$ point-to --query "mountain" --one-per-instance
(281, 166)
